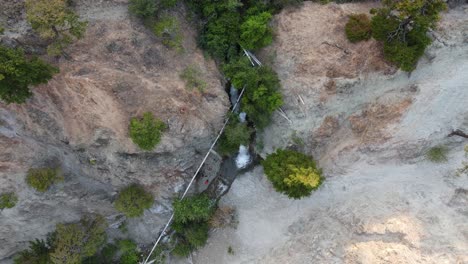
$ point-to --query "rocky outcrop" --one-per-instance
(79, 121)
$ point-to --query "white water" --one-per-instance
(243, 158)
(242, 117)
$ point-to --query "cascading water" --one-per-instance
(243, 158)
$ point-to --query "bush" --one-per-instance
(42, 178)
(358, 28)
(235, 134)
(74, 242)
(8, 200)
(292, 173)
(129, 252)
(261, 97)
(198, 208)
(143, 8)
(133, 200)
(402, 26)
(255, 32)
(146, 132)
(191, 76)
(168, 28)
(38, 253)
(56, 22)
(18, 73)
(437, 154)
(182, 249)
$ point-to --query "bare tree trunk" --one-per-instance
(458, 132)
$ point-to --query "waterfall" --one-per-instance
(234, 95)
(243, 158)
(242, 117)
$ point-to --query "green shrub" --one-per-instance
(292, 173)
(42, 178)
(358, 28)
(437, 154)
(133, 200)
(146, 132)
(56, 22)
(197, 208)
(235, 134)
(192, 77)
(196, 234)
(182, 249)
(143, 8)
(402, 26)
(255, 32)
(38, 253)
(261, 97)
(128, 249)
(168, 28)
(17, 74)
(8, 200)
(76, 241)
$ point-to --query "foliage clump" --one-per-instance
(133, 200)
(402, 26)
(42, 178)
(75, 241)
(146, 132)
(437, 154)
(55, 22)
(358, 28)
(168, 28)
(8, 200)
(261, 96)
(17, 74)
(292, 173)
(191, 216)
(191, 76)
(255, 31)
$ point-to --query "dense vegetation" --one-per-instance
(402, 26)
(17, 74)
(42, 178)
(261, 97)
(235, 134)
(146, 132)
(191, 216)
(358, 28)
(68, 244)
(292, 173)
(133, 200)
(8, 200)
(55, 22)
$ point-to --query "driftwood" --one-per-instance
(459, 133)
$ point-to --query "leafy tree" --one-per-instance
(74, 242)
(8, 200)
(42, 178)
(146, 132)
(292, 173)
(402, 26)
(133, 200)
(261, 97)
(18, 73)
(38, 253)
(255, 31)
(196, 208)
(235, 134)
(358, 28)
(55, 21)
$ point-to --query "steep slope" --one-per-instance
(80, 119)
(369, 127)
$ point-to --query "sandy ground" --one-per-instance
(382, 202)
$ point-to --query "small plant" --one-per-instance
(146, 132)
(230, 250)
(8, 200)
(42, 178)
(133, 200)
(292, 173)
(358, 28)
(168, 29)
(437, 154)
(191, 75)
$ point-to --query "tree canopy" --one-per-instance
(255, 31)
(17, 74)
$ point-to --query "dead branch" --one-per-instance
(336, 46)
(459, 133)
